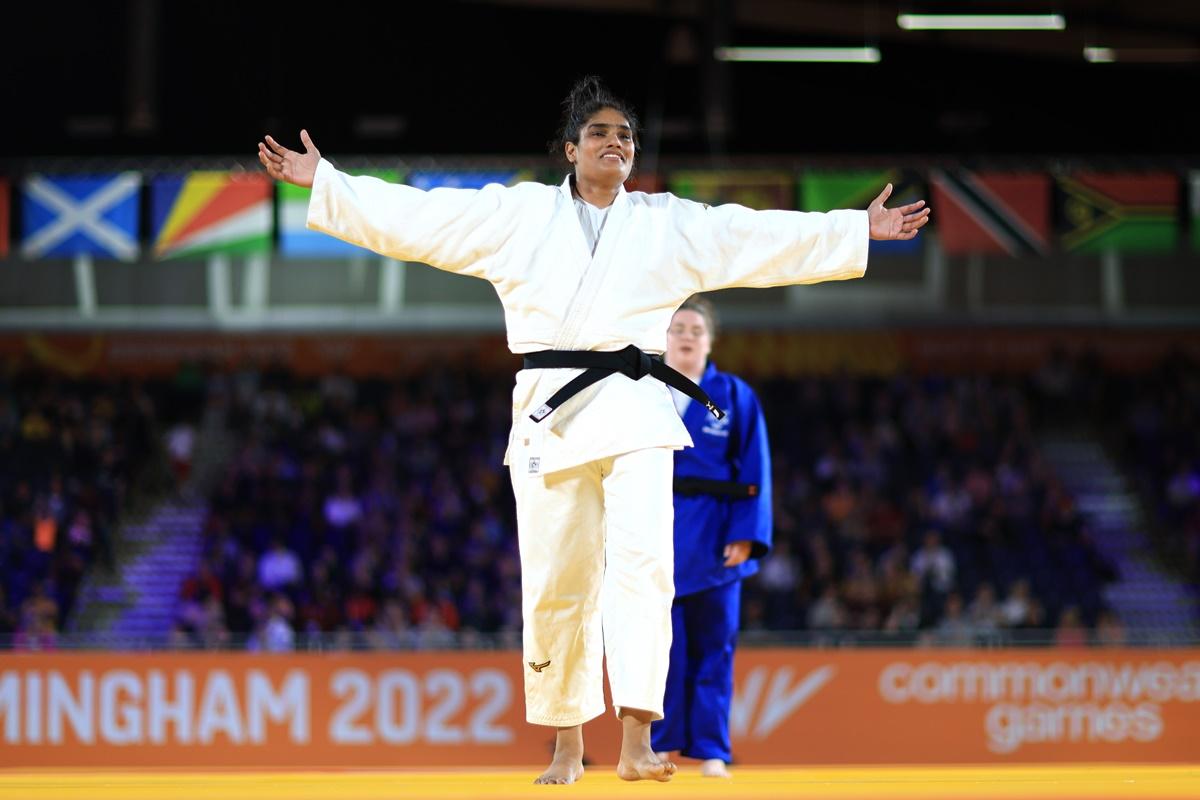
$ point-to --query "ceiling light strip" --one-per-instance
(982, 22)
(843, 55)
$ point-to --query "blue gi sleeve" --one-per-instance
(750, 519)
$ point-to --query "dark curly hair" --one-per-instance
(588, 96)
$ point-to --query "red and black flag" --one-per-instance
(1004, 213)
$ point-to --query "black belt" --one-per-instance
(731, 489)
(597, 364)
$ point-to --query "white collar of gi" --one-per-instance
(570, 195)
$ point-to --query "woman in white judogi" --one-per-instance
(587, 266)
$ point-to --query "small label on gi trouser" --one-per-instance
(535, 464)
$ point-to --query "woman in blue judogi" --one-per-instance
(722, 528)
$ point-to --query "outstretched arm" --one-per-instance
(451, 229)
(895, 223)
(290, 166)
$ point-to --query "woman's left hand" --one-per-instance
(895, 223)
(736, 553)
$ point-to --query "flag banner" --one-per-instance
(210, 212)
(1124, 211)
(69, 215)
(1004, 213)
(827, 190)
(648, 182)
(4, 214)
(1195, 209)
(466, 179)
(297, 241)
(753, 189)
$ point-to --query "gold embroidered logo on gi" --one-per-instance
(535, 464)
(536, 667)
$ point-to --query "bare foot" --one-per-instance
(561, 770)
(647, 768)
(638, 761)
(567, 766)
(714, 768)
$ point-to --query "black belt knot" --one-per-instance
(630, 361)
(638, 363)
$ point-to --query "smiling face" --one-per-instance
(688, 342)
(605, 150)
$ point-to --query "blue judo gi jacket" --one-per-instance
(731, 449)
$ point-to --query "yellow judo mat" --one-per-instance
(1082, 782)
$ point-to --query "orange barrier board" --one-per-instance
(450, 709)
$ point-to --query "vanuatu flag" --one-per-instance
(296, 240)
(1005, 213)
(752, 188)
(210, 212)
(823, 190)
(1129, 212)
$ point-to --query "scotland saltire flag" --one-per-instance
(68, 215)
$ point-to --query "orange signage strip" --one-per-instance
(449, 709)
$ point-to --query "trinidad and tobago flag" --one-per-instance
(1004, 213)
(1129, 212)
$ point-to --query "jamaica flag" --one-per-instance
(823, 190)
(1128, 212)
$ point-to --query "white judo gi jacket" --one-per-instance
(654, 252)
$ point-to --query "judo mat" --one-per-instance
(1057, 782)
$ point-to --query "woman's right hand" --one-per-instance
(288, 165)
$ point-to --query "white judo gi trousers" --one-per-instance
(597, 580)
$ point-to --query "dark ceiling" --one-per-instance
(169, 78)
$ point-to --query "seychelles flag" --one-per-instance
(210, 212)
